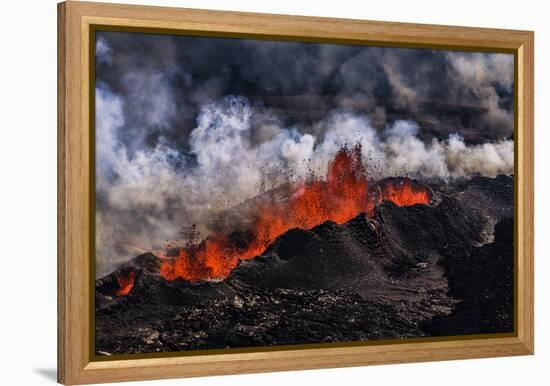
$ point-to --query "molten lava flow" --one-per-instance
(341, 196)
(125, 283)
(402, 192)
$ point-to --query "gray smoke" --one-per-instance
(145, 194)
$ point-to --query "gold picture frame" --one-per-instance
(77, 22)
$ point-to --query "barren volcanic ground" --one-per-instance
(437, 269)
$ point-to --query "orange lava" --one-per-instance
(125, 283)
(342, 195)
(402, 192)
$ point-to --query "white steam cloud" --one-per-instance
(145, 197)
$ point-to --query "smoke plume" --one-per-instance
(145, 197)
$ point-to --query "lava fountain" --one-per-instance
(341, 195)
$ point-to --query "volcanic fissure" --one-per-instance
(341, 195)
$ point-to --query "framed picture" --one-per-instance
(250, 192)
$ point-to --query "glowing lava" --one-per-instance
(125, 283)
(341, 196)
(402, 192)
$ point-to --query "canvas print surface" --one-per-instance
(256, 193)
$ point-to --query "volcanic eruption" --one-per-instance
(394, 269)
(390, 254)
(253, 193)
(338, 197)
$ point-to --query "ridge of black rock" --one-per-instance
(483, 279)
(406, 272)
(328, 256)
(361, 253)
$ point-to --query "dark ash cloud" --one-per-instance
(165, 79)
